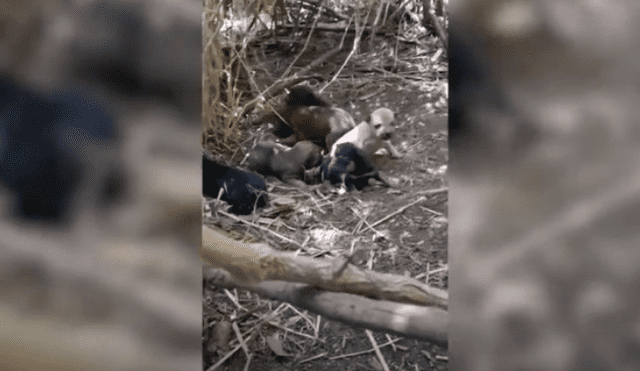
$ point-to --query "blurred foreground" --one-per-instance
(544, 212)
(85, 283)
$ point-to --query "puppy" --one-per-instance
(321, 125)
(244, 191)
(269, 158)
(299, 96)
(348, 166)
(370, 136)
(308, 117)
(304, 96)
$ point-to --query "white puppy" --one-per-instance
(370, 136)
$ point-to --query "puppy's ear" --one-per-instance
(367, 117)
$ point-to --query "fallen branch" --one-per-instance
(413, 321)
(253, 263)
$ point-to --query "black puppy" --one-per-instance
(55, 147)
(242, 190)
(348, 166)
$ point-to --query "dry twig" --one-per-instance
(262, 229)
(385, 367)
(359, 30)
(390, 342)
(399, 211)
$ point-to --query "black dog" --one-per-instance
(53, 145)
(243, 191)
(348, 166)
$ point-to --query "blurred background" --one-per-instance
(100, 185)
(544, 178)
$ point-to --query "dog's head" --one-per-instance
(348, 166)
(382, 121)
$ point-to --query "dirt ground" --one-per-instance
(412, 242)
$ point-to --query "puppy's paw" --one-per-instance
(393, 152)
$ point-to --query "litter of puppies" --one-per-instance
(315, 143)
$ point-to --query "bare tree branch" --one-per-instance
(253, 263)
(424, 323)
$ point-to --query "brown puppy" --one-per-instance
(286, 163)
(307, 116)
(370, 136)
(321, 125)
(299, 96)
